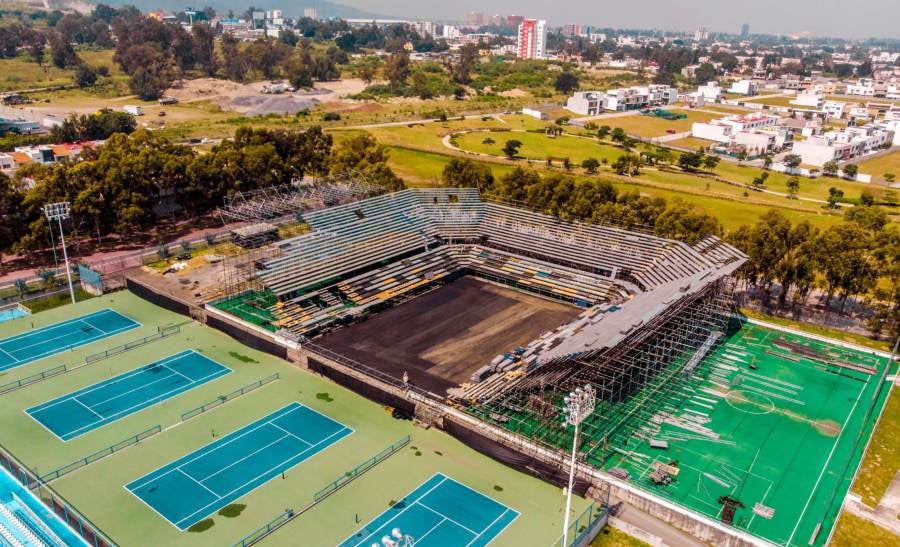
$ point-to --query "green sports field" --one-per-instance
(764, 425)
(98, 489)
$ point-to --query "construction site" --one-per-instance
(458, 309)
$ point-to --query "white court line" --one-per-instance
(200, 484)
(224, 444)
(488, 527)
(304, 441)
(14, 360)
(227, 494)
(420, 538)
(405, 509)
(105, 383)
(89, 409)
(825, 466)
(235, 462)
(152, 401)
(438, 513)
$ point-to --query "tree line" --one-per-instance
(133, 182)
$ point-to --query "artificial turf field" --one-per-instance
(99, 490)
(788, 435)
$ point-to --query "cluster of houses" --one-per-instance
(43, 154)
(591, 103)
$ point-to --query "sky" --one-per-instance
(837, 18)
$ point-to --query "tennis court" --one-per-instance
(52, 339)
(87, 409)
(190, 488)
(439, 513)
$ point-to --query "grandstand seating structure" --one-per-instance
(363, 255)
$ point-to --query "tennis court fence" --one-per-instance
(100, 454)
(222, 399)
(289, 514)
(585, 527)
(22, 382)
(91, 534)
(112, 352)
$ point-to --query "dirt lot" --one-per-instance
(443, 336)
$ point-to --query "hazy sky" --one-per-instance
(853, 18)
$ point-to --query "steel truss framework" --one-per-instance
(293, 199)
(635, 381)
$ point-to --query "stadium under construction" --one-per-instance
(462, 310)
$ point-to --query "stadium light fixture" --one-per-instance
(60, 211)
(579, 404)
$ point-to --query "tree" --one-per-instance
(397, 70)
(834, 195)
(767, 161)
(603, 132)
(62, 54)
(514, 185)
(705, 73)
(793, 186)
(866, 198)
(681, 222)
(690, 161)
(760, 181)
(869, 217)
(710, 162)
(830, 168)
(850, 171)
(364, 154)
(566, 82)
(468, 55)
(844, 260)
(628, 165)
(85, 76)
(590, 166)
(889, 177)
(465, 173)
(793, 161)
(618, 134)
(511, 148)
(741, 156)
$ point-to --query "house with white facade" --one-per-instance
(811, 100)
(756, 133)
(589, 103)
(847, 144)
(744, 87)
(711, 91)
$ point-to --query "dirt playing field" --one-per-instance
(442, 337)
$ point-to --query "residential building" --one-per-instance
(848, 144)
(812, 100)
(310, 13)
(234, 26)
(701, 34)
(744, 87)
(451, 32)
(834, 109)
(864, 87)
(424, 28)
(513, 21)
(590, 103)
(745, 30)
(532, 38)
(711, 91)
(571, 30)
(724, 129)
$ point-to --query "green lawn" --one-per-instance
(23, 73)
(538, 146)
(651, 126)
(877, 167)
(613, 537)
(97, 489)
(853, 531)
(883, 458)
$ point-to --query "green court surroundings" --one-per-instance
(96, 467)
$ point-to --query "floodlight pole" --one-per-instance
(58, 212)
(579, 405)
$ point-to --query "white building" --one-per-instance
(845, 145)
(834, 109)
(744, 87)
(590, 103)
(310, 13)
(864, 87)
(711, 91)
(811, 100)
(744, 130)
(532, 39)
(424, 28)
(451, 32)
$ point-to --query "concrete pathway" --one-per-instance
(650, 529)
(886, 513)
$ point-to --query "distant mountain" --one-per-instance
(294, 9)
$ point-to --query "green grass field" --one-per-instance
(97, 489)
(650, 126)
(538, 146)
(787, 434)
(877, 167)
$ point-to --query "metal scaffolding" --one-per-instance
(637, 382)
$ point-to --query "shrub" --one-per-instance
(331, 117)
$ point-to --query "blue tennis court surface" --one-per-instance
(87, 409)
(187, 490)
(439, 513)
(52, 339)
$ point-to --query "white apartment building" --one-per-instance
(725, 130)
(451, 32)
(532, 39)
(591, 103)
(864, 87)
(744, 87)
(711, 91)
(811, 100)
(845, 145)
(424, 28)
(834, 109)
